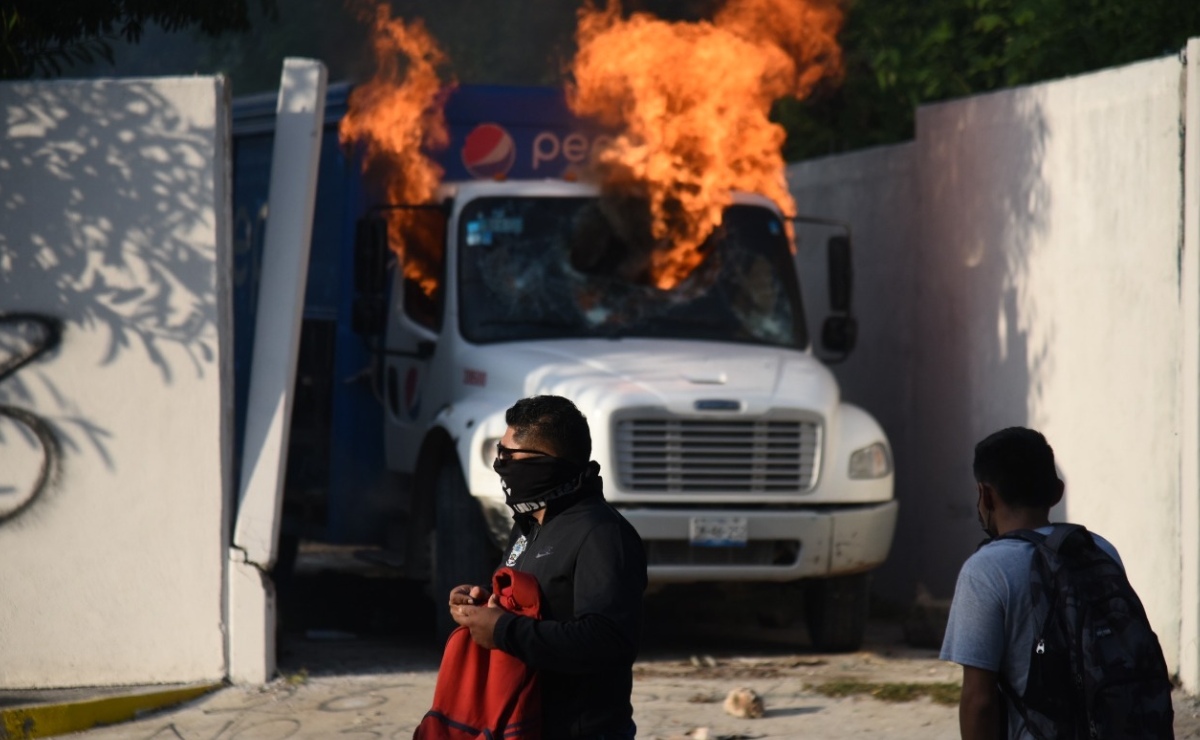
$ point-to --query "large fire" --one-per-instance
(397, 118)
(692, 101)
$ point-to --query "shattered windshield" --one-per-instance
(540, 268)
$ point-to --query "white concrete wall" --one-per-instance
(1189, 510)
(114, 219)
(1019, 264)
(875, 191)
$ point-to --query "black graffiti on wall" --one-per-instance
(34, 335)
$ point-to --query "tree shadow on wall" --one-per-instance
(108, 223)
(985, 211)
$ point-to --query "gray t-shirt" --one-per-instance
(992, 625)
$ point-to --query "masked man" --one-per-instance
(589, 563)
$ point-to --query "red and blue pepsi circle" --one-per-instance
(489, 151)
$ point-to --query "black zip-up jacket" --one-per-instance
(591, 567)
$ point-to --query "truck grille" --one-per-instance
(716, 455)
(769, 553)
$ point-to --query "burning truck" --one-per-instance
(614, 251)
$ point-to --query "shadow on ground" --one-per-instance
(363, 620)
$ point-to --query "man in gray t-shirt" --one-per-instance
(992, 625)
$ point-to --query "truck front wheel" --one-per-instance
(463, 551)
(835, 610)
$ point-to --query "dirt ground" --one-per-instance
(337, 685)
(380, 689)
(357, 660)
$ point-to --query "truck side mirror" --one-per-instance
(369, 312)
(839, 334)
(841, 274)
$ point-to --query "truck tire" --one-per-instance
(835, 610)
(463, 550)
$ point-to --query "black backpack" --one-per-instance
(1097, 670)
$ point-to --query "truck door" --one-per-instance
(405, 321)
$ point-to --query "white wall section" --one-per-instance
(1019, 263)
(114, 221)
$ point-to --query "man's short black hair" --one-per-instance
(1019, 464)
(554, 425)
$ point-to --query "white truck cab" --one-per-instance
(720, 435)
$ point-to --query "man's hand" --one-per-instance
(481, 620)
(467, 594)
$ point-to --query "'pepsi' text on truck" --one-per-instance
(721, 435)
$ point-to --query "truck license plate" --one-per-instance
(719, 531)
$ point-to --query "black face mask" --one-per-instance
(531, 483)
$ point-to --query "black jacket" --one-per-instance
(591, 567)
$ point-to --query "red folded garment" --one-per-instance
(487, 693)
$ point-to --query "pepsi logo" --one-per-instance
(488, 151)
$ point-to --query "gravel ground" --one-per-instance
(357, 662)
(363, 688)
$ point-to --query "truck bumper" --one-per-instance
(781, 545)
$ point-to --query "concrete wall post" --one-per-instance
(294, 164)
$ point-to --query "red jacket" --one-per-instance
(487, 694)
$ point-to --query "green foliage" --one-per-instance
(299, 678)
(45, 38)
(901, 53)
(519, 42)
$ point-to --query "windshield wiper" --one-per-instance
(669, 322)
(540, 323)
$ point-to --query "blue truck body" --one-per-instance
(337, 485)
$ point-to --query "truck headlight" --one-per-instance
(870, 462)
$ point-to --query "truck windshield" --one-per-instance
(544, 267)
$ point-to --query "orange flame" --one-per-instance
(397, 116)
(693, 101)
